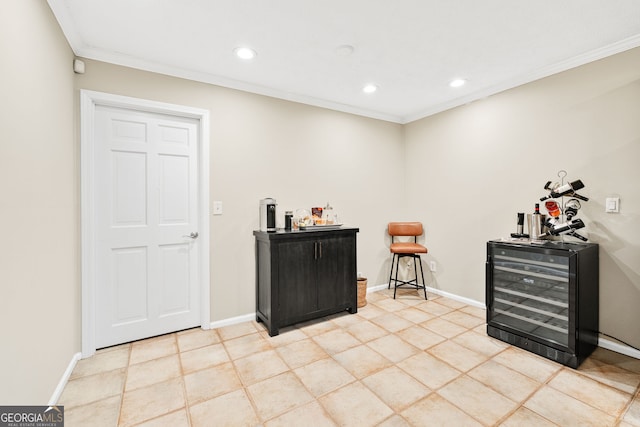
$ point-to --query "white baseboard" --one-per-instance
(233, 320)
(618, 348)
(65, 378)
(454, 297)
(376, 288)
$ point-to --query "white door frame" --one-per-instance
(89, 100)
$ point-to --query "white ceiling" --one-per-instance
(411, 49)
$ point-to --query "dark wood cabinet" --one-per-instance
(302, 275)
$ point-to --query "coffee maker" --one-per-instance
(268, 214)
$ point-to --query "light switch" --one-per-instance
(217, 207)
(612, 204)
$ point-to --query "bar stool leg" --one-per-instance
(424, 284)
(393, 259)
(395, 288)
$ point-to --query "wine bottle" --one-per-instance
(565, 228)
(553, 208)
(536, 223)
(564, 190)
(571, 208)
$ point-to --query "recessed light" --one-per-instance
(457, 82)
(370, 88)
(245, 52)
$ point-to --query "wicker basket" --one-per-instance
(362, 292)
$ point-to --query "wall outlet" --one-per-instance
(432, 266)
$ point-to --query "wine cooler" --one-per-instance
(543, 297)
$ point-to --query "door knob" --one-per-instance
(193, 235)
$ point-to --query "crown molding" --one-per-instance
(576, 61)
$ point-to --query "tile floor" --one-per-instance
(403, 362)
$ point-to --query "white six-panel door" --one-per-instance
(146, 224)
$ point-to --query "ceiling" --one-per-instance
(410, 49)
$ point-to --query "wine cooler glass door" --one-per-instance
(531, 294)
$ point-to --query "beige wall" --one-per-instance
(39, 259)
(300, 155)
(474, 167)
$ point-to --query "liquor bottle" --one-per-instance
(564, 190)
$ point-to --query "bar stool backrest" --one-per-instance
(412, 229)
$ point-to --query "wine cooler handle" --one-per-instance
(489, 288)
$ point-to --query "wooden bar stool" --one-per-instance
(406, 249)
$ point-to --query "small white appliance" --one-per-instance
(268, 214)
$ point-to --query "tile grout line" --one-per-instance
(245, 387)
(635, 396)
(602, 384)
(166, 380)
(124, 384)
(187, 406)
(462, 373)
(356, 379)
(432, 390)
(547, 383)
(332, 357)
(465, 373)
(539, 388)
(317, 398)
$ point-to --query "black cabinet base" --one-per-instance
(563, 357)
(274, 329)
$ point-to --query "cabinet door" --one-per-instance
(336, 271)
(298, 294)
